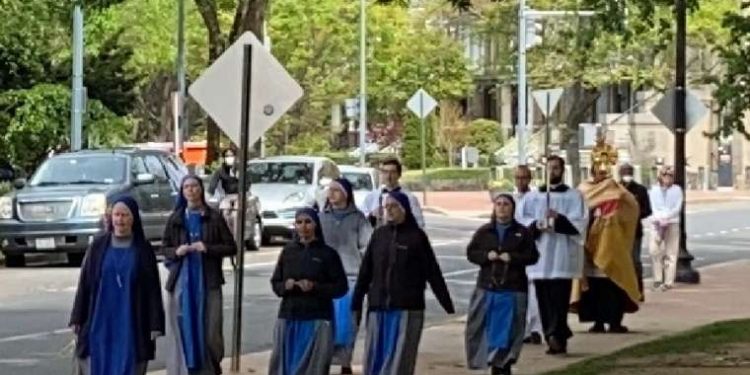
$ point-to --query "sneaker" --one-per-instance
(665, 287)
(656, 286)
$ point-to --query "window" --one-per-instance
(271, 172)
(138, 166)
(83, 169)
(155, 167)
(360, 181)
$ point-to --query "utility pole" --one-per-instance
(76, 105)
(362, 81)
(521, 110)
(685, 271)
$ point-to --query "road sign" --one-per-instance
(421, 103)
(219, 90)
(547, 100)
(352, 107)
(694, 108)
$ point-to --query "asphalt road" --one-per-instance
(35, 301)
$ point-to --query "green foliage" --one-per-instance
(485, 135)
(33, 121)
(309, 144)
(5, 188)
(448, 179)
(733, 87)
(412, 144)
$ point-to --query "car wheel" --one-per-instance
(75, 259)
(255, 242)
(16, 260)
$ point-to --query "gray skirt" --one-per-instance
(175, 357)
(301, 347)
(478, 352)
(392, 342)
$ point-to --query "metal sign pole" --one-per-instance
(546, 146)
(424, 152)
(247, 66)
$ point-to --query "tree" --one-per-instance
(733, 87)
(33, 121)
(452, 131)
(412, 146)
(485, 135)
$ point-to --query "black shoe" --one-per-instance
(597, 328)
(501, 370)
(556, 347)
(346, 370)
(535, 338)
(618, 329)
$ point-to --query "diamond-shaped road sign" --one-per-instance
(421, 103)
(219, 90)
(543, 96)
(694, 108)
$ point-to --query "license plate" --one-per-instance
(45, 243)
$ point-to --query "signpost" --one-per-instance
(422, 104)
(244, 109)
(547, 101)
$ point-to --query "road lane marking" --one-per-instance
(34, 336)
(460, 272)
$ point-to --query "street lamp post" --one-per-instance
(180, 129)
(685, 271)
(76, 110)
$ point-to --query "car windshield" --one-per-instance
(271, 172)
(81, 170)
(359, 180)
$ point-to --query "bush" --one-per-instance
(448, 179)
(412, 150)
(5, 188)
(486, 136)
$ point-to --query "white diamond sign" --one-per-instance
(421, 103)
(272, 90)
(695, 110)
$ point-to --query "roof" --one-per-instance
(111, 151)
(292, 158)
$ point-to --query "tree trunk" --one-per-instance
(582, 101)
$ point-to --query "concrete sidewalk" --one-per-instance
(722, 295)
(477, 203)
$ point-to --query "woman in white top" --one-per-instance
(666, 203)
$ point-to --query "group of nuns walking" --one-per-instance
(336, 259)
(118, 311)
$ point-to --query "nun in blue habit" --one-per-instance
(196, 241)
(118, 312)
(348, 231)
(496, 322)
(308, 277)
(398, 264)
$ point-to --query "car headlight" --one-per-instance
(6, 208)
(295, 197)
(94, 205)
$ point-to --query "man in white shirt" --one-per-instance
(390, 174)
(666, 203)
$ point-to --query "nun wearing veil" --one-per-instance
(496, 323)
(308, 277)
(398, 264)
(196, 241)
(118, 313)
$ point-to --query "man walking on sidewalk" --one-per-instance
(390, 174)
(644, 206)
(666, 201)
(533, 332)
(558, 223)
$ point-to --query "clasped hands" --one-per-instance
(494, 256)
(197, 246)
(304, 284)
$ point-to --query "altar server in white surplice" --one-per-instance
(559, 228)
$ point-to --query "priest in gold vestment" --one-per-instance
(609, 287)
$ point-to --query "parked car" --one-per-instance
(60, 209)
(364, 181)
(283, 184)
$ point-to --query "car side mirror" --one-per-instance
(325, 181)
(144, 179)
(19, 183)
